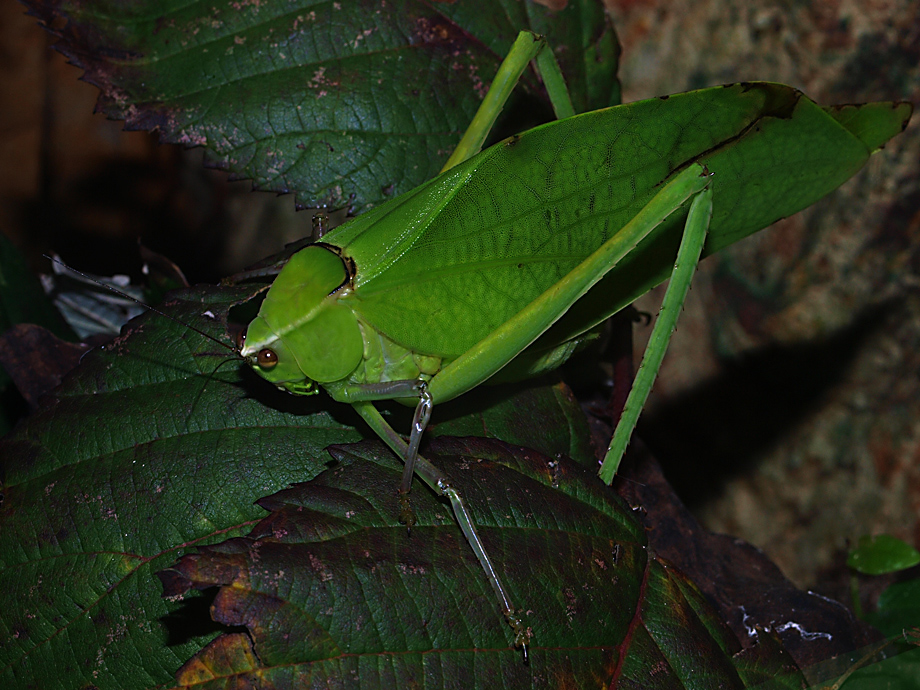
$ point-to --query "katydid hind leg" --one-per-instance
(512, 616)
(688, 256)
(502, 345)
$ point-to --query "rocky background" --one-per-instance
(788, 411)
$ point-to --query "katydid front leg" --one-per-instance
(526, 47)
(440, 484)
(389, 390)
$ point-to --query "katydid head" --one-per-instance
(302, 335)
(275, 363)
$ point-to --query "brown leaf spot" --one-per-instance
(553, 5)
(36, 359)
(228, 655)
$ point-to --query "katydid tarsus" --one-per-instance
(507, 260)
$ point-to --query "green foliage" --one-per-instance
(877, 555)
(159, 444)
(898, 608)
(879, 667)
(328, 100)
(144, 455)
(140, 455)
(330, 587)
(897, 613)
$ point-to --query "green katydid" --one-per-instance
(506, 262)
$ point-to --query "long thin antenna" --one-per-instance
(143, 304)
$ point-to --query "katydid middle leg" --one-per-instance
(390, 390)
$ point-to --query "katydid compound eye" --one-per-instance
(240, 339)
(267, 359)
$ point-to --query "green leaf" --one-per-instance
(546, 418)
(766, 665)
(141, 453)
(340, 102)
(330, 585)
(882, 554)
(159, 444)
(898, 608)
(883, 670)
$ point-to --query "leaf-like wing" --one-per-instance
(471, 248)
